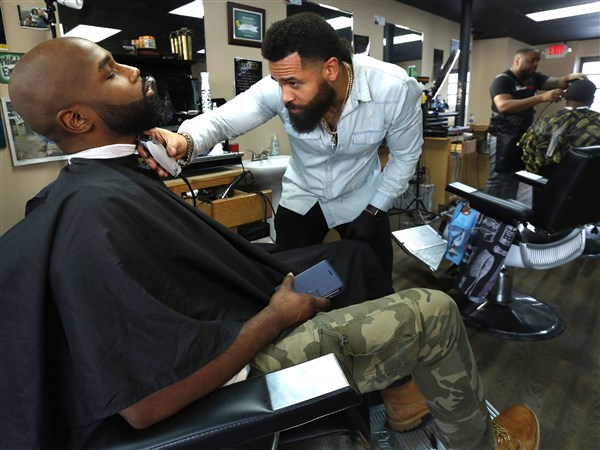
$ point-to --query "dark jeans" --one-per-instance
(295, 231)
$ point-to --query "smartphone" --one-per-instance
(320, 280)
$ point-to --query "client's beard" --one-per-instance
(135, 117)
(314, 111)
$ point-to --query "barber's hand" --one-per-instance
(571, 77)
(292, 308)
(175, 144)
(555, 95)
(364, 227)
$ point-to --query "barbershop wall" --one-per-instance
(18, 184)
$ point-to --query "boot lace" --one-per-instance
(502, 434)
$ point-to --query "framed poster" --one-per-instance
(26, 146)
(245, 25)
(7, 64)
(246, 73)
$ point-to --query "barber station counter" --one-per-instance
(451, 159)
(238, 209)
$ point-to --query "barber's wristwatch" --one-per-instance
(372, 210)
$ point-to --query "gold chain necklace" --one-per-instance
(333, 133)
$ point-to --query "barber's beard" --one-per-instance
(310, 115)
(136, 117)
(524, 73)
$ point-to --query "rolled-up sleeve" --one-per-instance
(404, 141)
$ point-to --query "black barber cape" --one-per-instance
(113, 288)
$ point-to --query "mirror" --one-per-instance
(340, 20)
(135, 18)
(402, 46)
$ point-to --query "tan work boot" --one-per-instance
(517, 428)
(404, 406)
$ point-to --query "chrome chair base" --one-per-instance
(521, 318)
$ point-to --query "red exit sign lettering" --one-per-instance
(556, 51)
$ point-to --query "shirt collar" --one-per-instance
(105, 152)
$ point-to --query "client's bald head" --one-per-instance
(49, 78)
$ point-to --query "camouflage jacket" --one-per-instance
(549, 138)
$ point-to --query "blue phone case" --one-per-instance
(320, 280)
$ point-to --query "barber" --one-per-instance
(338, 109)
(514, 97)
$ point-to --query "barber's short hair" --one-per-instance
(523, 51)
(581, 91)
(308, 34)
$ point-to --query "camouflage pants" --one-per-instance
(416, 331)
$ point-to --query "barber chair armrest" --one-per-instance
(532, 179)
(508, 211)
(242, 412)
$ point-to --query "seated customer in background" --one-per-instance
(546, 141)
(120, 298)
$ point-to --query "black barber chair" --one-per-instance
(562, 205)
(251, 414)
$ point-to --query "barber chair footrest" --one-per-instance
(523, 318)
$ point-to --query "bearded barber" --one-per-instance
(337, 109)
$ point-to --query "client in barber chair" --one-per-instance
(120, 298)
(545, 143)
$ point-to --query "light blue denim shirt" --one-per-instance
(384, 104)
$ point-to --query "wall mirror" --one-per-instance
(402, 46)
(157, 18)
(136, 18)
(340, 20)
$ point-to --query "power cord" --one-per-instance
(191, 190)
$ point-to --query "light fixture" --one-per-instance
(341, 22)
(569, 11)
(193, 9)
(405, 39)
(74, 4)
(92, 33)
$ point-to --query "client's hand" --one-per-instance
(175, 144)
(292, 308)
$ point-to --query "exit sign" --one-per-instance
(556, 51)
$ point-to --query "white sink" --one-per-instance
(268, 171)
(268, 174)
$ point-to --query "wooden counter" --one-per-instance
(449, 159)
(207, 180)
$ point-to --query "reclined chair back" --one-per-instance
(571, 197)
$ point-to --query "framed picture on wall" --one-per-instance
(245, 25)
(26, 146)
(35, 17)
